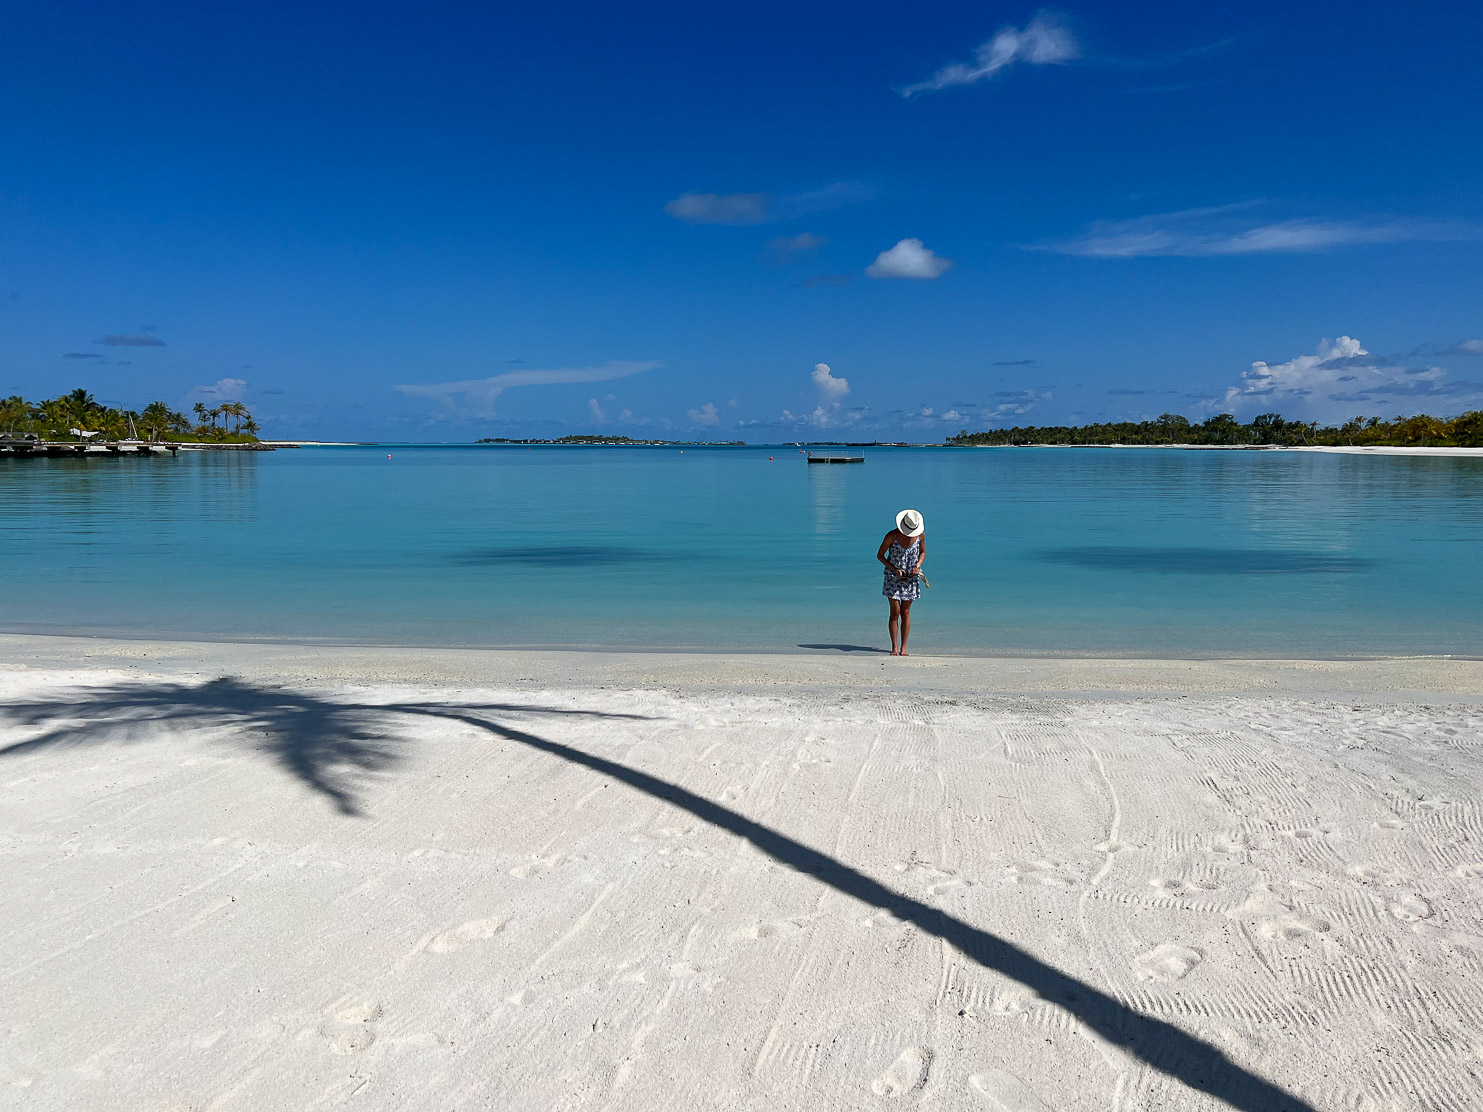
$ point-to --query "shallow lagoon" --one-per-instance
(1141, 551)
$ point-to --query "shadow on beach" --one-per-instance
(328, 744)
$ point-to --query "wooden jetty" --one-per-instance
(835, 459)
(15, 447)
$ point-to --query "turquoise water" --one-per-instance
(1029, 550)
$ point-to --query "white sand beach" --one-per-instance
(273, 877)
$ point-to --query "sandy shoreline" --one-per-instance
(270, 877)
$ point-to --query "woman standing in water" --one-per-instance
(902, 552)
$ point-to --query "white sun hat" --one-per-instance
(910, 523)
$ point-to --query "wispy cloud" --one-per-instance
(785, 249)
(1045, 40)
(763, 208)
(131, 339)
(1338, 375)
(721, 208)
(1014, 403)
(910, 258)
(1014, 362)
(82, 355)
(837, 195)
(1234, 230)
(476, 397)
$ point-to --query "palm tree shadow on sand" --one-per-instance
(328, 743)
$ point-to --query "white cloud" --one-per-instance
(1044, 41)
(720, 208)
(1231, 230)
(908, 259)
(1470, 347)
(223, 390)
(1337, 377)
(476, 396)
(705, 416)
(595, 411)
(831, 388)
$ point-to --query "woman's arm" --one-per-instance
(880, 553)
(922, 552)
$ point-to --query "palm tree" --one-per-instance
(14, 411)
(55, 417)
(111, 424)
(79, 408)
(81, 401)
(251, 427)
(156, 419)
(233, 409)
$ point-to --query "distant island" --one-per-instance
(1267, 430)
(621, 440)
(79, 417)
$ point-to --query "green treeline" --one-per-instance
(55, 419)
(1267, 429)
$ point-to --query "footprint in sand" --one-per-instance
(1007, 1092)
(772, 928)
(884, 917)
(809, 764)
(1392, 824)
(358, 1011)
(1045, 873)
(1231, 843)
(906, 1074)
(1015, 1002)
(475, 930)
(936, 881)
(1291, 927)
(1174, 886)
(352, 1031)
(1411, 908)
(1168, 962)
(541, 864)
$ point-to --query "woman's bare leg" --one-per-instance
(905, 627)
(891, 624)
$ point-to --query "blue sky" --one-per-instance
(441, 221)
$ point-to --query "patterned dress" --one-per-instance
(905, 588)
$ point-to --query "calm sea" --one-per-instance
(1030, 550)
